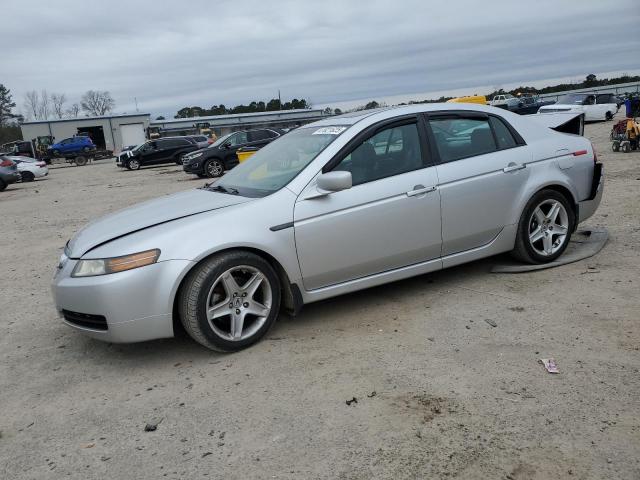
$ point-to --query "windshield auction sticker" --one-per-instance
(330, 131)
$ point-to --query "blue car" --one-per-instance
(72, 145)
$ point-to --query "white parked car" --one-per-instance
(594, 107)
(507, 100)
(30, 168)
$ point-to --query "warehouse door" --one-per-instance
(132, 134)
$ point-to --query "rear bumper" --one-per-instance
(588, 207)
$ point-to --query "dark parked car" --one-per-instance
(221, 154)
(8, 173)
(155, 152)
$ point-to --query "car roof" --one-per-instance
(352, 118)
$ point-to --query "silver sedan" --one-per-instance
(330, 208)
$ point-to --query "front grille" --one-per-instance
(86, 320)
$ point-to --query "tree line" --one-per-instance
(45, 106)
(254, 107)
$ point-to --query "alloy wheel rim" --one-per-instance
(214, 169)
(239, 303)
(548, 227)
(133, 164)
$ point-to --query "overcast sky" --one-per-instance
(170, 54)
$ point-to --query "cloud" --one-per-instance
(169, 54)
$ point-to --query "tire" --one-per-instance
(226, 277)
(608, 116)
(213, 168)
(27, 176)
(615, 146)
(80, 161)
(133, 164)
(3, 185)
(538, 222)
(626, 147)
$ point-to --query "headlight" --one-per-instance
(105, 266)
(195, 155)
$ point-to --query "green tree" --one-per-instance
(6, 105)
(160, 118)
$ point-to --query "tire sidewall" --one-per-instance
(523, 226)
(3, 185)
(28, 177)
(222, 264)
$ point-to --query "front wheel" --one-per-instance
(230, 301)
(213, 168)
(545, 227)
(133, 164)
(608, 116)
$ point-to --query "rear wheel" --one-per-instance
(3, 185)
(626, 147)
(545, 228)
(27, 176)
(213, 168)
(230, 301)
(608, 116)
(81, 161)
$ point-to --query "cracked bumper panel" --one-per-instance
(137, 304)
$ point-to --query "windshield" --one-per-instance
(141, 146)
(572, 99)
(220, 141)
(275, 165)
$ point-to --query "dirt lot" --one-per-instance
(454, 397)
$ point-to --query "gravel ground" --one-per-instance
(440, 392)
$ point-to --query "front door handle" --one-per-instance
(420, 190)
(512, 167)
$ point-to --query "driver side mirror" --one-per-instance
(335, 181)
(227, 145)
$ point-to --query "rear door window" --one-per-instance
(459, 137)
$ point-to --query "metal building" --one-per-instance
(108, 132)
(223, 124)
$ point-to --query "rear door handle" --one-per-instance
(420, 190)
(512, 167)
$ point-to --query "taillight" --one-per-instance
(6, 163)
(41, 164)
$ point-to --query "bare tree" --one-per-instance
(32, 105)
(98, 103)
(73, 111)
(57, 103)
(45, 109)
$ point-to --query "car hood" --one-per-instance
(147, 214)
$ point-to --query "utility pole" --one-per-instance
(279, 101)
(135, 99)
